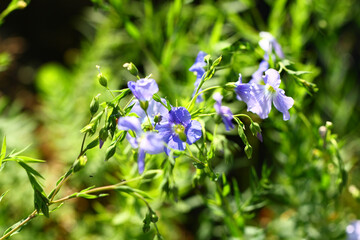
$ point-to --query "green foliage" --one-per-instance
(294, 185)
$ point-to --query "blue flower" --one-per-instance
(223, 111)
(268, 43)
(270, 93)
(144, 88)
(154, 109)
(198, 68)
(146, 142)
(179, 129)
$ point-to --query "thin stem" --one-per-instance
(206, 114)
(243, 115)
(198, 93)
(128, 103)
(31, 216)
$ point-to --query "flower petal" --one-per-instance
(152, 143)
(133, 142)
(141, 161)
(144, 88)
(227, 117)
(283, 103)
(261, 105)
(165, 131)
(175, 143)
(129, 123)
(257, 76)
(199, 64)
(193, 132)
(272, 77)
(179, 115)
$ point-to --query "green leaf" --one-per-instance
(93, 144)
(131, 190)
(3, 195)
(3, 150)
(29, 159)
(198, 165)
(30, 170)
(87, 196)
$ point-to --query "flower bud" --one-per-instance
(102, 80)
(182, 136)
(103, 134)
(131, 68)
(144, 105)
(94, 105)
(157, 118)
(21, 4)
(230, 86)
(80, 163)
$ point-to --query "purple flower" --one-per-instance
(154, 108)
(270, 92)
(268, 43)
(144, 88)
(223, 111)
(146, 142)
(198, 68)
(179, 129)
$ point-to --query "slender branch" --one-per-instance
(28, 219)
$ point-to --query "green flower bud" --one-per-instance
(80, 163)
(94, 105)
(131, 68)
(102, 80)
(230, 86)
(144, 105)
(157, 118)
(21, 4)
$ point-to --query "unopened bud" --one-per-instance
(182, 136)
(21, 4)
(329, 125)
(102, 80)
(230, 86)
(94, 105)
(322, 131)
(144, 105)
(80, 163)
(131, 68)
(157, 118)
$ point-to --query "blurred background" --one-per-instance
(48, 53)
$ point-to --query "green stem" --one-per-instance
(28, 219)
(243, 115)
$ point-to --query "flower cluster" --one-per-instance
(153, 126)
(263, 89)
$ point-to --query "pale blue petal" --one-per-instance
(257, 76)
(272, 77)
(144, 88)
(129, 123)
(283, 103)
(141, 161)
(152, 143)
(165, 131)
(227, 117)
(175, 143)
(262, 105)
(193, 132)
(133, 142)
